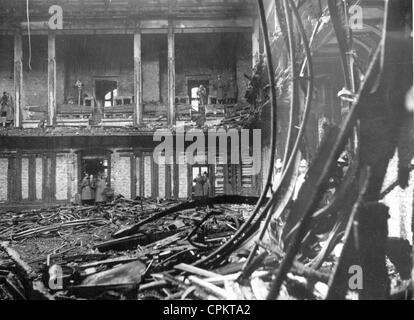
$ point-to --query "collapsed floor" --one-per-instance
(144, 250)
(306, 248)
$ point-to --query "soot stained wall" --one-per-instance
(211, 55)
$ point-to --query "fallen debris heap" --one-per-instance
(83, 250)
(77, 252)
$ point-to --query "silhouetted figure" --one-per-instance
(86, 191)
(206, 185)
(198, 189)
(6, 110)
(202, 95)
(221, 90)
(100, 189)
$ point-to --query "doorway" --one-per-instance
(105, 92)
(199, 170)
(193, 86)
(94, 165)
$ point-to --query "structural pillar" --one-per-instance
(171, 75)
(18, 78)
(138, 114)
(51, 79)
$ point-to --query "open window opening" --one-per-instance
(193, 86)
(106, 91)
(197, 172)
(95, 165)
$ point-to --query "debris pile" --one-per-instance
(109, 251)
(144, 249)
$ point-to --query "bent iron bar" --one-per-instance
(291, 168)
(309, 193)
(248, 227)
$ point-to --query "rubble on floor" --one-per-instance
(80, 240)
(140, 249)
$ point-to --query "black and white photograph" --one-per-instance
(200, 156)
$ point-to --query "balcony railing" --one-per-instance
(121, 115)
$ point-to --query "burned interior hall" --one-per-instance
(215, 149)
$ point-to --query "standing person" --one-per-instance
(9, 113)
(221, 88)
(86, 190)
(202, 95)
(100, 188)
(232, 91)
(303, 169)
(198, 189)
(3, 109)
(206, 186)
(92, 180)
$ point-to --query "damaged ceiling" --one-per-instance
(129, 9)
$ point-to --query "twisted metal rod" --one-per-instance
(247, 228)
